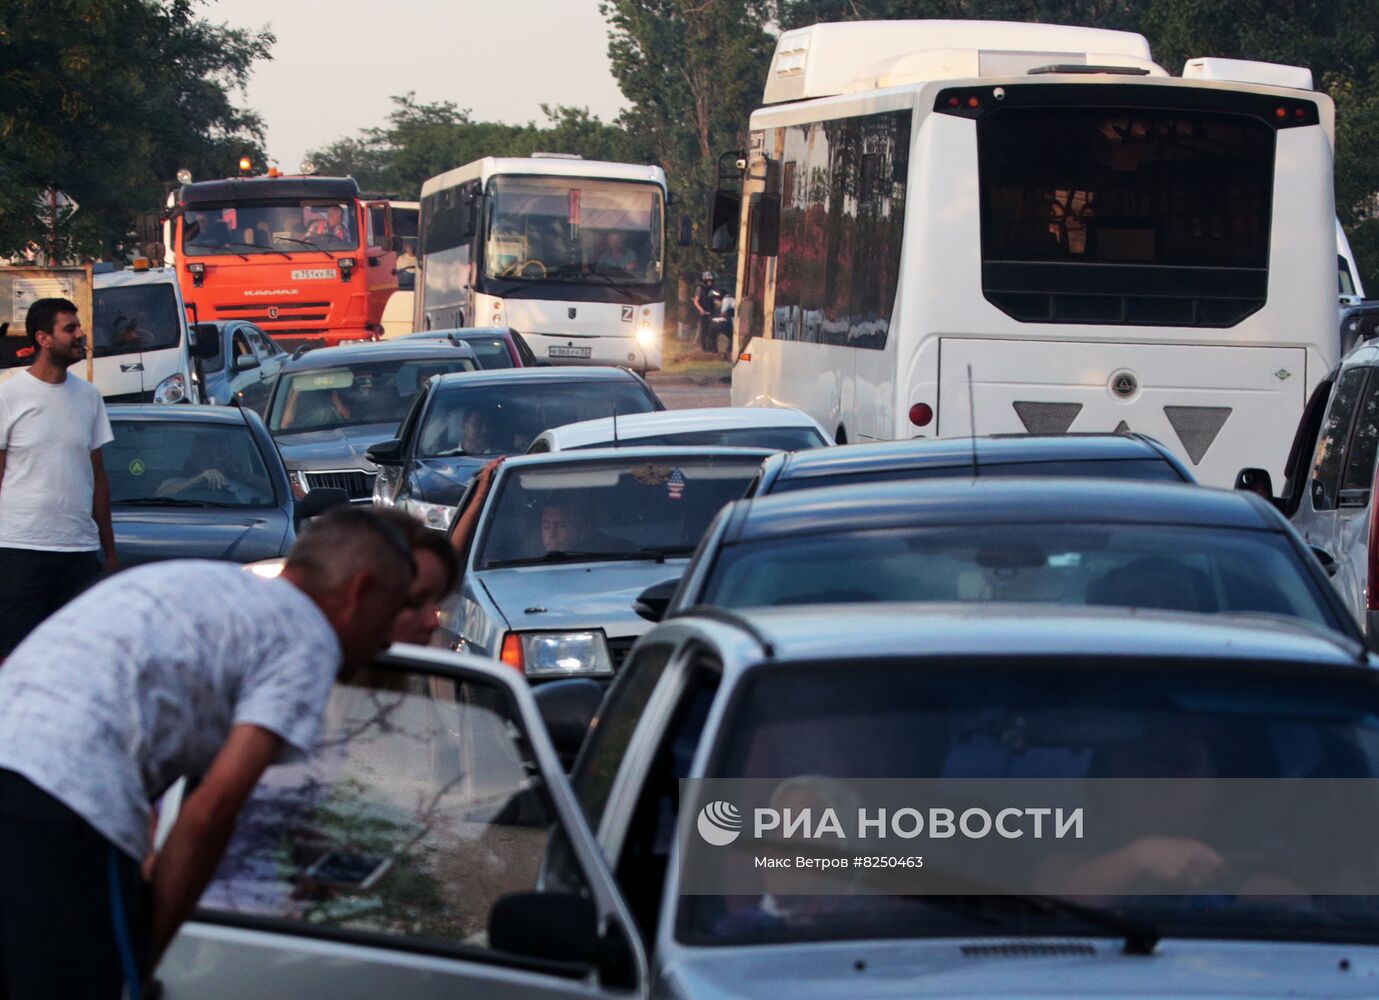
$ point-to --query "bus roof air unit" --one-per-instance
(1248, 71)
(825, 60)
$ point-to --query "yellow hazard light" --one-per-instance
(139, 263)
(245, 164)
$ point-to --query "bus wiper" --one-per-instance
(214, 246)
(612, 282)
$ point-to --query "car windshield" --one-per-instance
(633, 509)
(990, 718)
(1153, 469)
(135, 318)
(285, 226)
(574, 229)
(1167, 567)
(775, 438)
(504, 420)
(373, 392)
(181, 463)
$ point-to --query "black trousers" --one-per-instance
(64, 891)
(35, 583)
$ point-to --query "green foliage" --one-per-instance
(421, 140)
(105, 100)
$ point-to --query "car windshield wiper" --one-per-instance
(170, 502)
(215, 246)
(664, 552)
(304, 243)
(450, 453)
(1140, 937)
(563, 556)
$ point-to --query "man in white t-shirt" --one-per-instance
(54, 496)
(176, 669)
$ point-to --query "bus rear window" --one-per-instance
(1165, 215)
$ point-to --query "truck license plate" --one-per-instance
(570, 352)
(314, 274)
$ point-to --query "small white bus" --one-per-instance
(568, 252)
(959, 226)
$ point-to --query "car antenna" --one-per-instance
(615, 427)
(972, 418)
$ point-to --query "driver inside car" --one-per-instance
(215, 470)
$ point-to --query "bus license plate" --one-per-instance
(571, 352)
(314, 274)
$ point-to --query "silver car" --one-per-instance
(566, 542)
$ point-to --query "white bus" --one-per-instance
(1035, 225)
(568, 252)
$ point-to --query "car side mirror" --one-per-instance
(555, 926)
(686, 231)
(1256, 481)
(385, 453)
(245, 362)
(652, 602)
(568, 707)
(205, 342)
(318, 501)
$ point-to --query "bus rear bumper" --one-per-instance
(568, 349)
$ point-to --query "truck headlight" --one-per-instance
(172, 389)
(433, 515)
(559, 654)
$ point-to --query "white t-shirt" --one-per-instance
(48, 433)
(138, 681)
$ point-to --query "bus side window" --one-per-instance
(765, 224)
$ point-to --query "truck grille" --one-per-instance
(276, 314)
(357, 483)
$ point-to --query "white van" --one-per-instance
(140, 338)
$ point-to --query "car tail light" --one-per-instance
(512, 653)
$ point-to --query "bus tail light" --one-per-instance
(921, 414)
(512, 653)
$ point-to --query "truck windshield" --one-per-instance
(269, 227)
(573, 229)
(134, 319)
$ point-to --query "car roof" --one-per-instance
(852, 632)
(350, 354)
(182, 413)
(920, 453)
(128, 276)
(463, 332)
(708, 418)
(572, 373)
(965, 500)
(633, 454)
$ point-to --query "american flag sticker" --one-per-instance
(675, 485)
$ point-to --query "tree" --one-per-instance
(421, 140)
(692, 70)
(106, 100)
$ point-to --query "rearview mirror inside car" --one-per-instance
(652, 602)
(1256, 481)
(385, 453)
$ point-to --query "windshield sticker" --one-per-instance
(651, 475)
(136, 467)
(675, 486)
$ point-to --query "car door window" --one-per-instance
(420, 806)
(265, 347)
(240, 346)
(1329, 460)
(1364, 439)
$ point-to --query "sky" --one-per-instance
(337, 63)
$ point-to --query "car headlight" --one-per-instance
(558, 654)
(297, 479)
(433, 515)
(646, 334)
(172, 389)
(269, 569)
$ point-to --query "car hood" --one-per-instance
(333, 448)
(1033, 969)
(442, 480)
(146, 535)
(577, 595)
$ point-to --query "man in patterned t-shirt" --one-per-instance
(193, 669)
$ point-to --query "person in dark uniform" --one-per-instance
(706, 305)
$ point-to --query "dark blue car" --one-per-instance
(201, 482)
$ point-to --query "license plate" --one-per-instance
(314, 274)
(570, 352)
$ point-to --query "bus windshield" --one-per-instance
(269, 227)
(573, 229)
(134, 319)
